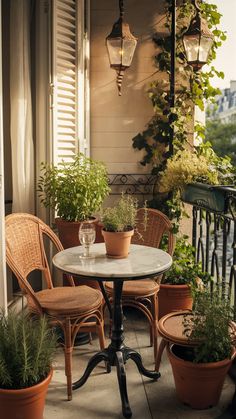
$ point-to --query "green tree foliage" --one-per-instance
(222, 137)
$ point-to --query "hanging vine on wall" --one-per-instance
(192, 89)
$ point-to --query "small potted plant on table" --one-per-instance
(118, 226)
(184, 275)
(199, 371)
(27, 347)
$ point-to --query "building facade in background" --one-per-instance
(225, 107)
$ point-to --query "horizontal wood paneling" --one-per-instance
(116, 120)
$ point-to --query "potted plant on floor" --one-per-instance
(199, 371)
(184, 275)
(75, 191)
(118, 226)
(27, 348)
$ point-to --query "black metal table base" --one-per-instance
(117, 358)
(117, 354)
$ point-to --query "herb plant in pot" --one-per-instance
(75, 191)
(118, 226)
(27, 348)
(176, 286)
(200, 369)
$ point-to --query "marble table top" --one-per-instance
(143, 261)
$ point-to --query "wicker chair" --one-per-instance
(68, 307)
(142, 294)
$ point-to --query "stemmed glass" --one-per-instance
(87, 236)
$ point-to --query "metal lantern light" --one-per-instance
(198, 41)
(121, 45)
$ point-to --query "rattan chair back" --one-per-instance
(151, 232)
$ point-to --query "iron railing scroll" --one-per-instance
(214, 238)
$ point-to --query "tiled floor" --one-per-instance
(99, 397)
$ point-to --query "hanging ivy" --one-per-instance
(192, 89)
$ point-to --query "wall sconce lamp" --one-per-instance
(197, 40)
(121, 45)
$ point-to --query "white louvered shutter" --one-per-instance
(66, 78)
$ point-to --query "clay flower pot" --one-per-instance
(25, 403)
(117, 243)
(68, 232)
(197, 385)
(174, 298)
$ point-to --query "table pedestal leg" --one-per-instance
(136, 357)
(117, 354)
(93, 362)
(122, 385)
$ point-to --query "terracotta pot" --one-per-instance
(68, 234)
(197, 385)
(117, 243)
(174, 298)
(26, 403)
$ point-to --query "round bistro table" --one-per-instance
(142, 262)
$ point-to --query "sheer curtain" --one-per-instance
(21, 108)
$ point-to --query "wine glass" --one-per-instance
(87, 236)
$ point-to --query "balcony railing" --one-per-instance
(214, 238)
(213, 232)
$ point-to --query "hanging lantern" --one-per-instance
(121, 45)
(198, 40)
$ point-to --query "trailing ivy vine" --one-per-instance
(192, 89)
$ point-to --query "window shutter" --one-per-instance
(64, 84)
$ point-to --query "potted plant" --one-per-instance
(118, 226)
(27, 347)
(75, 191)
(200, 369)
(184, 275)
(199, 176)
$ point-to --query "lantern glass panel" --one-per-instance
(121, 51)
(204, 49)
(114, 46)
(191, 45)
(127, 51)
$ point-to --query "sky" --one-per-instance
(226, 54)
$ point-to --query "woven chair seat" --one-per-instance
(69, 300)
(139, 288)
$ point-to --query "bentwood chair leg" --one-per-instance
(155, 323)
(101, 336)
(68, 357)
(159, 355)
(151, 335)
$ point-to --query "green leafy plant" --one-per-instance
(221, 136)
(185, 270)
(187, 167)
(192, 89)
(210, 324)
(75, 190)
(121, 217)
(27, 348)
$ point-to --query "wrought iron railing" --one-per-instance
(214, 238)
(140, 185)
(213, 232)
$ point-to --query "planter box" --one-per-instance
(214, 198)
